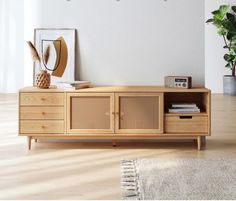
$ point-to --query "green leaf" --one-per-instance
(221, 12)
(224, 9)
(230, 36)
(228, 65)
(210, 20)
(217, 15)
(221, 31)
(216, 12)
(228, 25)
(229, 58)
(230, 17)
(218, 24)
(233, 40)
(233, 8)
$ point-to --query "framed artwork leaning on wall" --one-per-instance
(56, 47)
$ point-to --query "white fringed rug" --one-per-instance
(179, 179)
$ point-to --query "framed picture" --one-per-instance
(56, 48)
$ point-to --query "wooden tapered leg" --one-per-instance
(199, 142)
(29, 142)
(114, 143)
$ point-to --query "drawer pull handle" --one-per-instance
(43, 113)
(42, 99)
(185, 117)
(43, 127)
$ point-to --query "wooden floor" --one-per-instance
(91, 170)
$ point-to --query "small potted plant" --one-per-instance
(43, 78)
(224, 19)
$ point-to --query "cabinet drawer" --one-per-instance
(41, 126)
(41, 112)
(186, 124)
(42, 99)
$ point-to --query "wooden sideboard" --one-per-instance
(113, 113)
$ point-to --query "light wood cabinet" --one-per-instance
(113, 113)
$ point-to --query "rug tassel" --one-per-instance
(129, 181)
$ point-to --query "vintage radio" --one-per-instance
(178, 82)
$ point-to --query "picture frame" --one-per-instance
(61, 59)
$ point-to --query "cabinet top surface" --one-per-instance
(100, 89)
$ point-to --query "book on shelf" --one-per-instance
(183, 105)
(184, 108)
(74, 85)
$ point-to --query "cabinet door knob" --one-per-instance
(43, 127)
(43, 113)
(42, 99)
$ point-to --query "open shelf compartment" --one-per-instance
(201, 99)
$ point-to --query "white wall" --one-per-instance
(214, 52)
(11, 45)
(127, 42)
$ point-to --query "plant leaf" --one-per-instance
(233, 8)
(230, 36)
(224, 8)
(210, 20)
(228, 65)
(229, 58)
(230, 17)
(221, 12)
(228, 25)
(221, 31)
(33, 51)
(46, 54)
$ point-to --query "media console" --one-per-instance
(113, 113)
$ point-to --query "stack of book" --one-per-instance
(73, 85)
(184, 108)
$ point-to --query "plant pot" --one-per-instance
(43, 79)
(229, 85)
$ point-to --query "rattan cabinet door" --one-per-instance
(90, 113)
(139, 113)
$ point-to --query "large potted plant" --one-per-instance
(224, 19)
